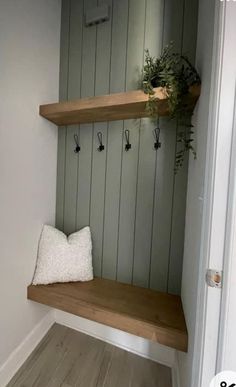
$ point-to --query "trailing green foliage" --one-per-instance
(175, 73)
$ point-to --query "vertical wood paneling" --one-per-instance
(114, 141)
(147, 159)
(88, 63)
(135, 43)
(132, 201)
(84, 175)
(119, 46)
(135, 46)
(173, 23)
(128, 205)
(74, 91)
(76, 42)
(61, 146)
(64, 60)
(64, 49)
(164, 183)
(144, 206)
(188, 45)
(70, 181)
(190, 29)
(102, 83)
(97, 198)
(112, 196)
(163, 195)
(173, 31)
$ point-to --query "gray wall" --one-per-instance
(132, 200)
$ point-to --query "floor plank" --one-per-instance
(67, 358)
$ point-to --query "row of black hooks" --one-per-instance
(128, 146)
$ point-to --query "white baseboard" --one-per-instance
(138, 345)
(22, 352)
(175, 372)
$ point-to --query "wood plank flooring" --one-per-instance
(67, 358)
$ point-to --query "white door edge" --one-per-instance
(229, 261)
(215, 197)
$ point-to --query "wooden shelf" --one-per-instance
(142, 312)
(111, 107)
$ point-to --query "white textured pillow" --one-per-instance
(62, 259)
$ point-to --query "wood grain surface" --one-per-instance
(118, 106)
(66, 358)
(142, 312)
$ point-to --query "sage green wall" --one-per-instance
(132, 200)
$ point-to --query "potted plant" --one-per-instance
(173, 72)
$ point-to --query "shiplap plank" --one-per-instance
(135, 43)
(102, 85)
(65, 26)
(61, 146)
(119, 45)
(74, 91)
(111, 211)
(163, 194)
(164, 180)
(189, 30)
(64, 49)
(76, 43)
(154, 26)
(114, 144)
(97, 197)
(128, 205)
(103, 54)
(173, 23)
(88, 55)
(172, 31)
(70, 181)
(144, 206)
(88, 63)
(84, 175)
(135, 46)
(177, 230)
(147, 159)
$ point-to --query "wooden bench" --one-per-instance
(143, 312)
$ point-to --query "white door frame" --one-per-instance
(227, 335)
(215, 243)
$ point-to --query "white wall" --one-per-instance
(195, 193)
(29, 76)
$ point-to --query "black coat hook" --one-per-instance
(127, 145)
(156, 133)
(77, 147)
(101, 146)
